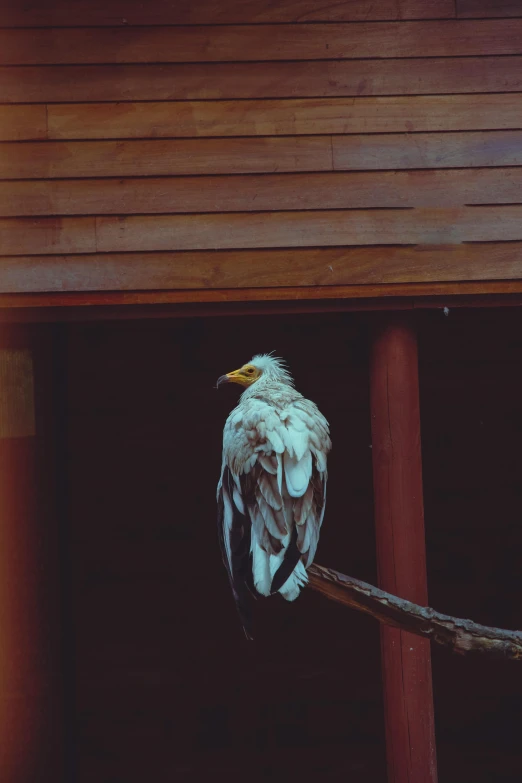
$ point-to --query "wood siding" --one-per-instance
(196, 148)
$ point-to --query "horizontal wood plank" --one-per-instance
(261, 268)
(19, 123)
(488, 9)
(165, 157)
(284, 117)
(100, 305)
(259, 155)
(23, 236)
(269, 192)
(427, 150)
(58, 13)
(316, 78)
(302, 229)
(47, 235)
(449, 38)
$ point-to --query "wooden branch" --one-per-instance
(461, 636)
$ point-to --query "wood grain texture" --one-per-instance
(266, 42)
(269, 192)
(47, 235)
(22, 236)
(71, 308)
(225, 81)
(165, 157)
(427, 150)
(19, 123)
(302, 229)
(96, 306)
(235, 270)
(17, 412)
(323, 145)
(162, 157)
(488, 8)
(105, 306)
(459, 635)
(304, 116)
(57, 13)
(401, 546)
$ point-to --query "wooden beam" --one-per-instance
(352, 297)
(401, 555)
(63, 311)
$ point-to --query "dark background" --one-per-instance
(159, 681)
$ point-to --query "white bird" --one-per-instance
(272, 489)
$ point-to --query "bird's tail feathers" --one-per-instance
(244, 610)
(291, 558)
(260, 569)
(296, 581)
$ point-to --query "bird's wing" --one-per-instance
(306, 474)
(234, 539)
(251, 514)
(276, 480)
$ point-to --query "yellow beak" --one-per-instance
(236, 376)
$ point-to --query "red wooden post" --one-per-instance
(31, 690)
(401, 552)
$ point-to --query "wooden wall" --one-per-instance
(179, 151)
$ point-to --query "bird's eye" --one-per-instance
(250, 370)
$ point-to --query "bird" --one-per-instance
(271, 493)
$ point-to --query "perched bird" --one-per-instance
(272, 489)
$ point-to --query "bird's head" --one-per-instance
(264, 366)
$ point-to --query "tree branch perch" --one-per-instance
(461, 636)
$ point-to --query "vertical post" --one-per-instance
(401, 552)
(30, 680)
